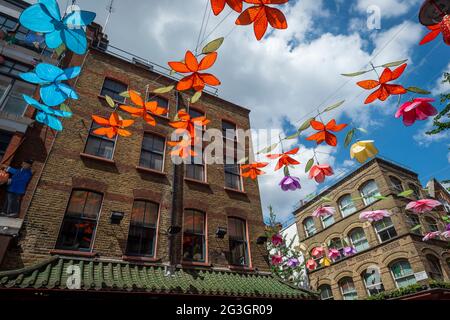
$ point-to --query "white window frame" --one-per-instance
(411, 275)
(369, 197)
(326, 218)
(353, 293)
(331, 297)
(384, 229)
(307, 233)
(355, 243)
(368, 287)
(351, 204)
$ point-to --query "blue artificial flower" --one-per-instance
(47, 115)
(45, 17)
(52, 91)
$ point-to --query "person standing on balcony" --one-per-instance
(16, 187)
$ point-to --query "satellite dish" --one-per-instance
(433, 11)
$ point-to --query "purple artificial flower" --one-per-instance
(348, 251)
(293, 263)
(290, 183)
(277, 240)
(448, 227)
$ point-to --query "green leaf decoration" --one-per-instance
(334, 106)
(380, 197)
(349, 137)
(286, 171)
(309, 164)
(418, 90)
(446, 219)
(406, 193)
(110, 101)
(196, 97)
(357, 198)
(293, 136)
(163, 89)
(354, 74)
(213, 46)
(65, 107)
(60, 50)
(125, 94)
(418, 227)
(268, 149)
(305, 125)
(243, 160)
(394, 64)
(363, 130)
(326, 199)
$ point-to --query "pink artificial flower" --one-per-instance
(424, 205)
(277, 240)
(445, 234)
(333, 254)
(318, 252)
(319, 172)
(324, 212)
(418, 109)
(376, 215)
(311, 264)
(276, 259)
(431, 235)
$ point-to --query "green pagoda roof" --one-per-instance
(98, 275)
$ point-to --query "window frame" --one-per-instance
(102, 94)
(367, 286)
(396, 184)
(152, 97)
(362, 240)
(204, 261)
(307, 233)
(385, 229)
(57, 245)
(434, 265)
(328, 289)
(353, 293)
(431, 224)
(343, 208)
(154, 134)
(396, 279)
(409, 219)
(103, 138)
(323, 219)
(245, 241)
(203, 164)
(370, 195)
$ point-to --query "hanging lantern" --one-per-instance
(363, 150)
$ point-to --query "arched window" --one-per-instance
(194, 236)
(348, 289)
(385, 229)
(432, 225)
(396, 184)
(416, 190)
(414, 221)
(80, 221)
(402, 273)
(309, 226)
(372, 281)
(327, 220)
(337, 244)
(346, 205)
(358, 239)
(325, 292)
(142, 236)
(238, 242)
(435, 268)
(369, 192)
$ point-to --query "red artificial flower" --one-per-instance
(311, 264)
(435, 30)
(253, 170)
(284, 159)
(324, 134)
(145, 109)
(261, 15)
(218, 5)
(196, 79)
(113, 126)
(385, 89)
(319, 172)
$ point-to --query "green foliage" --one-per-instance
(438, 124)
(414, 288)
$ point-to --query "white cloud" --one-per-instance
(389, 8)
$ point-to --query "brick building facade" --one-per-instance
(391, 253)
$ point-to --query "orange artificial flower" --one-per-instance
(324, 134)
(145, 108)
(252, 170)
(182, 149)
(186, 123)
(114, 126)
(218, 5)
(385, 89)
(285, 159)
(261, 15)
(196, 80)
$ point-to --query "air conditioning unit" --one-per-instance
(142, 64)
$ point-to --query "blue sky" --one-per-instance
(284, 77)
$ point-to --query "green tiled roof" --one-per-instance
(97, 275)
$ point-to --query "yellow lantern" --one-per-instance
(363, 150)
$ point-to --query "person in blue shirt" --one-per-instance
(17, 185)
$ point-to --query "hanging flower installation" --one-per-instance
(349, 251)
(218, 5)
(186, 124)
(311, 264)
(260, 14)
(318, 252)
(45, 17)
(112, 126)
(333, 254)
(293, 263)
(436, 29)
(422, 206)
(289, 183)
(417, 109)
(144, 109)
(385, 89)
(277, 260)
(363, 150)
(253, 170)
(52, 91)
(47, 115)
(431, 235)
(324, 133)
(319, 172)
(323, 212)
(195, 80)
(285, 159)
(183, 148)
(325, 262)
(277, 240)
(373, 216)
